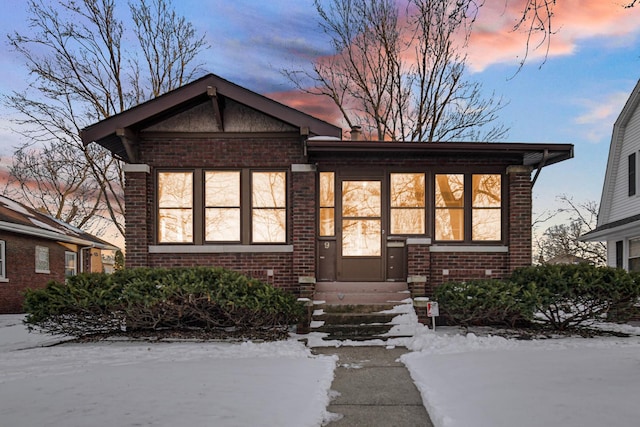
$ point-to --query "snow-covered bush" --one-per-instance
(566, 296)
(147, 299)
(483, 303)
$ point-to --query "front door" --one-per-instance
(360, 231)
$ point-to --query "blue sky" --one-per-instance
(574, 97)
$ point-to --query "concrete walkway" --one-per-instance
(375, 389)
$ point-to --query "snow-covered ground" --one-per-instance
(159, 384)
(465, 380)
(494, 382)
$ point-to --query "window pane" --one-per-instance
(486, 224)
(634, 248)
(407, 221)
(327, 222)
(407, 190)
(175, 225)
(361, 198)
(634, 264)
(269, 225)
(486, 191)
(42, 259)
(361, 237)
(222, 189)
(70, 268)
(269, 189)
(222, 224)
(449, 224)
(450, 191)
(327, 189)
(175, 189)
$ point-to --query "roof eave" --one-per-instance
(51, 235)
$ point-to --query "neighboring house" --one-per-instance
(568, 259)
(619, 215)
(219, 175)
(36, 248)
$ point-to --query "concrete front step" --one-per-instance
(357, 287)
(361, 297)
(341, 318)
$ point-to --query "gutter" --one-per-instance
(52, 235)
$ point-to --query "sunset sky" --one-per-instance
(573, 97)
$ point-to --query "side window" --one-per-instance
(468, 207)
(407, 204)
(486, 207)
(634, 254)
(449, 207)
(42, 259)
(175, 207)
(222, 206)
(632, 174)
(70, 264)
(268, 207)
(327, 203)
(3, 260)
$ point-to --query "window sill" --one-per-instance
(4, 280)
(218, 249)
(43, 271)
(469, 248)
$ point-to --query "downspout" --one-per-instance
(542, 163)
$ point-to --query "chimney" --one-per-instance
(356, 132)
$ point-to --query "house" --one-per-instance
(219, 175)
(36, 248)
(619, 213)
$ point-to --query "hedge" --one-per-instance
(151, 299)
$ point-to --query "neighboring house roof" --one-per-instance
(568, 259)
(18, 218)
(118, 133)
(605, 227)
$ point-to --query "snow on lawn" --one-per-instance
(160, 384)
(489, 381)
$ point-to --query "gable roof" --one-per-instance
(110, 132)
(615, 149)
(18, 218)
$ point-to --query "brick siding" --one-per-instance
(288, 268)
(21, 268)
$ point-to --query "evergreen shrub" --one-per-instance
(151, 299)
(566, 296)
(483, 303)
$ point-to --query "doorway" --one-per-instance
(360, 230)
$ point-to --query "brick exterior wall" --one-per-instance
(520, 239)
(21, 268)
(295, 271)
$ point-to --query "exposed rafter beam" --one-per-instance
(213, 94)
(130, 142)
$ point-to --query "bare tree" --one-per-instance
(563, 239)
(83, 69)
(537, 22)
(400, 73)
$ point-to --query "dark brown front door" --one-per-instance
(360, 231)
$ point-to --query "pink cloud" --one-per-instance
(317, 106)
(495, 41)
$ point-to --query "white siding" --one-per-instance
(623, 206)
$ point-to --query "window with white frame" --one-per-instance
(42, 259)
(634, 254)
(3, 261)
(70, 264)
